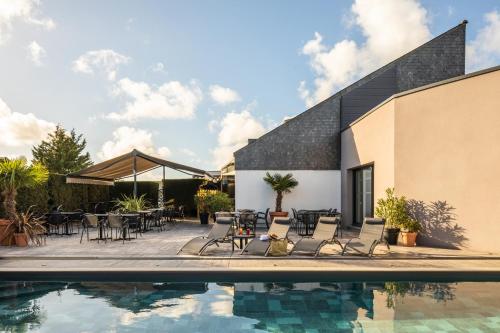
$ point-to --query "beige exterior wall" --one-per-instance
(447, 153)
(440, 147)
(371, 140)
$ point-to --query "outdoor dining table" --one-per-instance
(102, 217)
(309, 216)
(67, 215)
(143, 215)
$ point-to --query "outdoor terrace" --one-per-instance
(156, 252)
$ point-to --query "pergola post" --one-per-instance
(134, 170)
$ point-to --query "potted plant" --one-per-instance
(281, 185)
(409, 232)
(131, 204)
(25, 229)
(15, 174)
(393, 209)
(219, 202)
(202, 201)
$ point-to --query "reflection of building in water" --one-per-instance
(321, 306)
(137, 297)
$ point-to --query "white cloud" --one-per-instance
(171, 100)
(235, 130)
(484, 50)
(187, 152)
(36, 53)
(107, 61)
(390, 28)
(125, 139)
(21, 129)
(23, 10)
(222, 95)
(159, 67)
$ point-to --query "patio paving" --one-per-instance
(165, 245)
(156, 252)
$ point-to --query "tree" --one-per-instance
(281, 185)
(63, 152)
(15, 174)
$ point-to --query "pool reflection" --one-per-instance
(248, 307)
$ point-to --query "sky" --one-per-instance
(192, 81)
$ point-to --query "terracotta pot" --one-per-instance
(5, 241)
(21, 239)
(408, 238)
(278, 214)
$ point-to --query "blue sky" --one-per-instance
(144, 72)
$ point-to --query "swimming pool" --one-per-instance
(250, 307)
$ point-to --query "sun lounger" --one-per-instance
(217, 234)
(324, 234)
(369, 237)
(280, 227)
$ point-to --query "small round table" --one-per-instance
(242, 238)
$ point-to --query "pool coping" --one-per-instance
(248, 257)
(281, 274)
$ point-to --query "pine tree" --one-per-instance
(63, 152)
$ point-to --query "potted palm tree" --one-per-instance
(15, 174)
(281, 185)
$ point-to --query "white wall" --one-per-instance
(317, 189)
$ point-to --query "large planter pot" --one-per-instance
(408, 238)
(204, 218)
(278, 214)
(391, 235)
(21, 239)
(5, 241)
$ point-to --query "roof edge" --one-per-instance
(426, 87)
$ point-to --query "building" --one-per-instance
(308, 145)
(438, 146)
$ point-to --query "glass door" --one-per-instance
(363, 194)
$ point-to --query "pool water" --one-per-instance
(471, 307)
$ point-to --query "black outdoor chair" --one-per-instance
(248, 219)
(262, 216)
(55, 222)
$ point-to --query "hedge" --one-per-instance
(148, 188)
(182, 191)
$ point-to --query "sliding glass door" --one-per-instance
(363, 194)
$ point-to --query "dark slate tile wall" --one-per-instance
(439, 59)
(311, 141)
(357, 102)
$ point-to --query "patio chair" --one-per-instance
(370, 236)
(120, 226)
(323, 234)
(263, 216)
(217, 235)
(280, 227)
(89, 221)
(248, 219)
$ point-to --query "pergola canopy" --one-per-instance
(127, 165)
